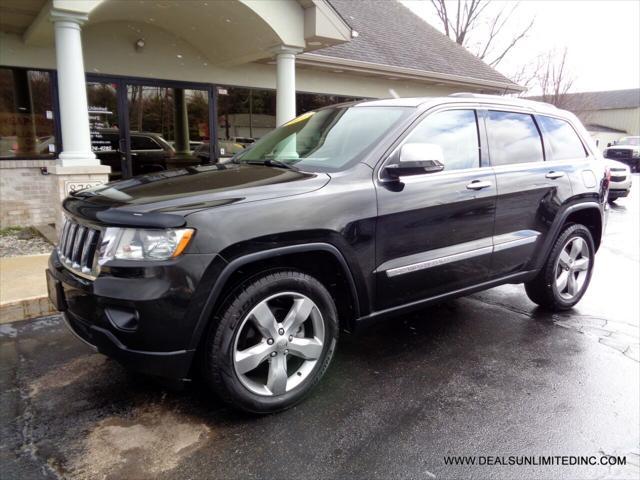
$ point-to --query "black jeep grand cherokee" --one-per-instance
(343, 215)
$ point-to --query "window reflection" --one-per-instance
(562, 138)
(168, 127)
(27, 128)
(513, 138)
(456, 132)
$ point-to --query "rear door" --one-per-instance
(434, 231)
(530, 188)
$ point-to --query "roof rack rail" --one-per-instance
(501, 98)
(470, 94)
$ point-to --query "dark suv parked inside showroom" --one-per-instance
(150, 152)
(249, 270)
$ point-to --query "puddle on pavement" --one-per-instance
(66, 374)
(150, 442)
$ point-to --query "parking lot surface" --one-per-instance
(489, 375)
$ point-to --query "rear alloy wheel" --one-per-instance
(565, 276)
(572, 268)
(273, 342)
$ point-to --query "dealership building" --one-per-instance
(92, 90)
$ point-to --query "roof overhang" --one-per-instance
(226, 31)
(393, 73)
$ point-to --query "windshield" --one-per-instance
(326, 140)
(629, 141)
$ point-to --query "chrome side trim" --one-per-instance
(428, 255)
(514, 239)
(456, 253)
(439, 261)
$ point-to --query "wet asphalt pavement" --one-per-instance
(486, 375)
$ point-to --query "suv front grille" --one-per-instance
(619, 153)
(78, 248)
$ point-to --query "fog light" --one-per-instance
(125, 319)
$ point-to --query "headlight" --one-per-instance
(144, 244)
(636, 153)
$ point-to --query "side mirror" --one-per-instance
(608, 144)
(416, 159)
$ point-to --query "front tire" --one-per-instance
(566, 274)
(271, 342)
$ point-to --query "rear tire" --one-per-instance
(272, 342)
(566, 274)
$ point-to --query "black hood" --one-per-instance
(186, 190)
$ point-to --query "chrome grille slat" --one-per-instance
(88, 250)
(70, 238)
(65, 235)
(77, 243)
(77, 248)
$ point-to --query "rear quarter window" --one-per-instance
(562, 139)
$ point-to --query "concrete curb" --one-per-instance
(25, 309)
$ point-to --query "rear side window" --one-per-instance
(456, 132)
(513, 138)
(561, 138)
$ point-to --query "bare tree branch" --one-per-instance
(553, 78)
(513, 43)
(469, 14)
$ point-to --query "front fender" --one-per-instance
(224, 272)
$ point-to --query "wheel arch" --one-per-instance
(317, 259)
(588, 214)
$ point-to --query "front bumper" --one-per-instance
(162, 364)
(143, 317)
(615, 193)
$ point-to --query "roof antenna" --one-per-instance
(393, 93)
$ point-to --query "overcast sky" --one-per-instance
(602, 37)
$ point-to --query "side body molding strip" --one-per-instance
(456, 253)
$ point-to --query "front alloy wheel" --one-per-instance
(274, 354)
(271, 341)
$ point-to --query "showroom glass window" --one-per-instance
(513, 138)
(455, 132)
(244, 116)
(27, 124)
(561, 138)
(248, 114)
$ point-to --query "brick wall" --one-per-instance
(26, 195)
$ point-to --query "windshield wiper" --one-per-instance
(270, 162)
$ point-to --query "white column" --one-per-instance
(285, 83)
(72, 91)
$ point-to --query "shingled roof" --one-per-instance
(606, 100)
(391, 34)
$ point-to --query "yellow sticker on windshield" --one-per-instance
(299, 119)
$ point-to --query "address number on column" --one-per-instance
(72, 187)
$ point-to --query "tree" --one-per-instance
(553, 78)
(468, 16)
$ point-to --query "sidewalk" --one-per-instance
(23, 288)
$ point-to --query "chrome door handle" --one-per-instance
(553, 175)
(478, 185)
